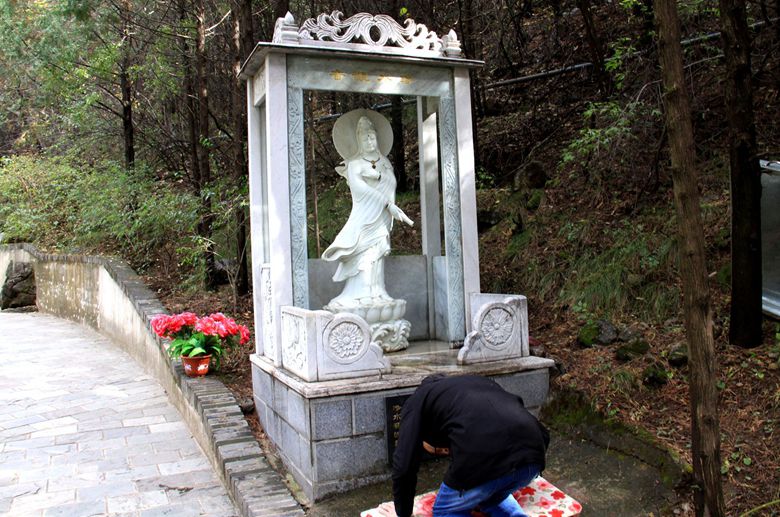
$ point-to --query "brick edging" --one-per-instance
(256, 488)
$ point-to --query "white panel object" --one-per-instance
(500, 329)
(321, 73)
(429, 191)
(258, 87)
(318, 346)
(453, 234)
(297, 204)
(267, 312)
(276, 163)
(300, 331)
(257, 218)
(468, 195)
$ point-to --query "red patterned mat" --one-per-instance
(539, 499)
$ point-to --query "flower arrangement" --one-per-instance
(192, 336)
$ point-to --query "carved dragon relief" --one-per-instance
(361, 27)
(374, 30)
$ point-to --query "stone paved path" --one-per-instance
(84, 431)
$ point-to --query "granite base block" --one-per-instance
(334, 442)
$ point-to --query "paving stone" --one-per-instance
(181, 466)
(126, 431)
(146, 420)
(167, 427)
(41, 501)
(70, 510)
(84, 432)
(138, 502)
(105, 489)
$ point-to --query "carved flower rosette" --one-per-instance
(498, 324)
(346, 339)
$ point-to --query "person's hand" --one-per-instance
(399, 214)
(387, 510)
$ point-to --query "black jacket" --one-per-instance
(488, 431)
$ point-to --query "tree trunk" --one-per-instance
(240, 166)
(189, 102)
(746, 280)
(126, 86)
(594, 44)
(206, 222)
(127, 114)
(705, 433)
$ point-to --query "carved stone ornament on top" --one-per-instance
(364, 138)
(371, 30)
(500, 332)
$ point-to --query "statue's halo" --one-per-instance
(345, 132)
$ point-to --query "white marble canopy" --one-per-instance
(367, 54)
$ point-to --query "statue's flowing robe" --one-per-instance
(365, 238)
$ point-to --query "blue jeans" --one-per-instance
(493, 498)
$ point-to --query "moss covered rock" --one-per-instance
(655, 375)
(588, 334)
(632, 350)
(678, 356)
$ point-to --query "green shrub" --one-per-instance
(69, 207)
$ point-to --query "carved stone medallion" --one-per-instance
(345, 341)
(497, 326)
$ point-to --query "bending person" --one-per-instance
(496, 447)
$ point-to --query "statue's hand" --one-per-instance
(399, 214)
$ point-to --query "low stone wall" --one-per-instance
(107, 295)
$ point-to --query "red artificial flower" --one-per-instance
(558, 495)
(244, 331)
(208, 326)
(160, 324)
(527, 491)
(188, 319)
(556, 513)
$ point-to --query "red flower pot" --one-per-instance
(197, 366)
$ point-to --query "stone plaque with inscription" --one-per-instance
(393, 406)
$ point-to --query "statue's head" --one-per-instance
(361, 132)
(366, 135)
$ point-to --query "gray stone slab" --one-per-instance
(297, 414)
(280, 399)
(440, 303)
(337, 460)
(307, 462)
(531, 386)
(369, 415)
(331, 418)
